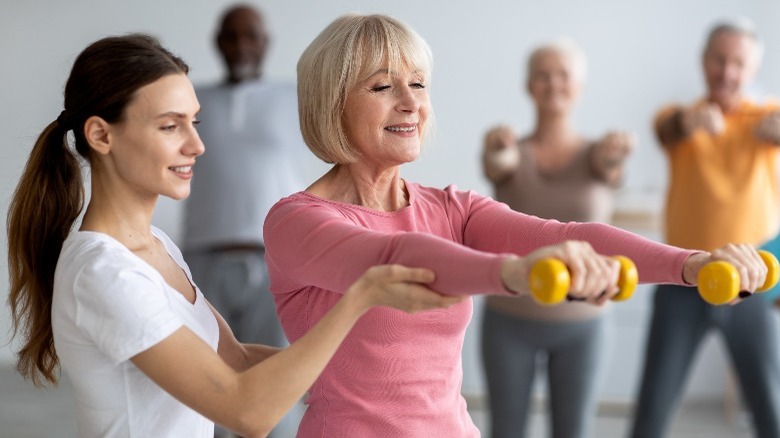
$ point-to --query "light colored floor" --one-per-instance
(27, 412)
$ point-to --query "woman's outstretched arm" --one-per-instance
(252, 402)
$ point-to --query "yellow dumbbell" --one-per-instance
(549, 280)
(719, 281)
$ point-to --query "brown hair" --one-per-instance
(50, 193)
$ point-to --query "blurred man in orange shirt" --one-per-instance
(722, 153)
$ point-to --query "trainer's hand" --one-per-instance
(401, 288)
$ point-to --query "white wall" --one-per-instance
(641, 55)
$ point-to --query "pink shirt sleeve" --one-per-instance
(311, 244)
(493, 227)
(315, 244)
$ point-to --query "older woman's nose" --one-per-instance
(408, 100)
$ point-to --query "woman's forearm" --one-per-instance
(269, 389)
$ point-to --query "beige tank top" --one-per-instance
(572, 193)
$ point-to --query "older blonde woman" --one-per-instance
(553, 172)
(364, 106)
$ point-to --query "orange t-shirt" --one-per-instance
(723, 188)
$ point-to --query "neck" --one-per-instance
(125, 218)
(235, 80)
(726, 105)
(554, 129)
(357, 184)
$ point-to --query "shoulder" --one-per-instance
(279, 86)
(295, 217)
(450, 195)
(300, 203)
(171, 247)
(272, 87)
(99, 255)
(765, 105)
(300, 199)
(420, 193)
(275, 96)
(93, 263)
(165, 239)
(283, 91)
(95, 251)
(284, 87)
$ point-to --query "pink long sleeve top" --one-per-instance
(396, 374)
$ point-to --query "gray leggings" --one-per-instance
(510, 347)
(680, 321)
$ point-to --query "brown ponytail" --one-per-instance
(50, 194)
(47, 201)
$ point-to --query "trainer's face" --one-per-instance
(154, 147)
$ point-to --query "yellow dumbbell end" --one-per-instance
(549, 281)
(773, 270)
(718, 282)
(629, 278)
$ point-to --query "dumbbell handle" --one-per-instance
(549, 280)
(719, 281)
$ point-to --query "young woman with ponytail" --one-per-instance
(111, 301)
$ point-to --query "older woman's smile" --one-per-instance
(403, 128)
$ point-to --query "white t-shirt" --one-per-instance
(108, 306)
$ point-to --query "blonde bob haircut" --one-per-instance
(345, 53)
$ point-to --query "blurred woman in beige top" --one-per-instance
(555, 173)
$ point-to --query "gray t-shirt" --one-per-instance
(254, 155)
